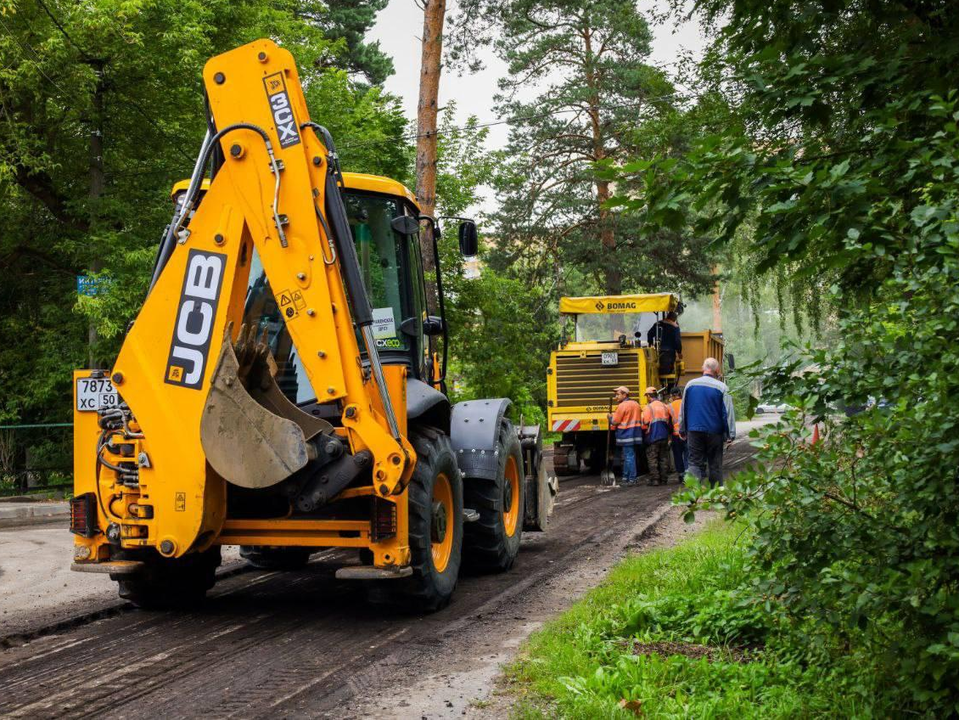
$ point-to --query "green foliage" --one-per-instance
(500, 331)
(840, 160)
(582, 665)
(351, 20)
(578, 92)
(504, 333)
(859, 531)
(127, 73)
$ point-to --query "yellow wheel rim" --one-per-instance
(511, 496)
(441, 523)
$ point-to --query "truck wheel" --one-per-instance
(265, 557)
(435, 497)
(172, 584)
(598, 457)
(491, 543)
(566, 461)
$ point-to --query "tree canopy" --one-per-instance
(579, 93)
(102, 111)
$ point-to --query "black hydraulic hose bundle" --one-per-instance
(342, 237)
(170, 239)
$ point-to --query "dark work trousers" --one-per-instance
(706, 456)
(657, 461)
(668, 361)
(679, 448)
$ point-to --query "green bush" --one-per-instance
(855, 538)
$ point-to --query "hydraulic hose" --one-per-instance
(342, 237)
(173, 230)
(350, 269)
(166, 245)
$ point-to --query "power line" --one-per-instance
(523, 118)
(64, 32)
(23, 47)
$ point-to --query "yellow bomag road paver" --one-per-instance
(608, 348)
(283, 385)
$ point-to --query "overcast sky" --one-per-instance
(399, 28)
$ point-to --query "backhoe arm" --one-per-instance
(207, 410)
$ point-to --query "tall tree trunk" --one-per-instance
(612, 277)
(95, 192)
(430, 58)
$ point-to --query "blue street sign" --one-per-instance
(91, 286)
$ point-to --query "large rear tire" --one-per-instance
(492, 542)
(265, 557)
(172, 584)
(435, 497)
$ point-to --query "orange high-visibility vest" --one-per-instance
(655, 421)
(675, 416)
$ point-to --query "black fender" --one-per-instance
(427, 405)
(474, 429)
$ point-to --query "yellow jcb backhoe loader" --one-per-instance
(282, 388)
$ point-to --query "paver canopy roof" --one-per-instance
(604, 304)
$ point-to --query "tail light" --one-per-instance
(383, 525)
(83, 515)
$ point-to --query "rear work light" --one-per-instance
(383, 524)
(83, 515)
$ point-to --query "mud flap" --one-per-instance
(541, 488)
(253, 438)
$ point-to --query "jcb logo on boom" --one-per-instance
(196, 313)
(283, 117)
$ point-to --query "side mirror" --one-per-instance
(405, 225)
(468, 238)
(731, 361)
(433, 326)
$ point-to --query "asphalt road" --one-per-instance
(304, 644)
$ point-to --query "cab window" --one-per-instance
(386, 261)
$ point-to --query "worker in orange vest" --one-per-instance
(677, 444)
(657, 427)
(626, 423)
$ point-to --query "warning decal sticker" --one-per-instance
(291, 302)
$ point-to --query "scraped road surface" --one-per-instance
(305, 644)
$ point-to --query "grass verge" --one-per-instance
(670, 634)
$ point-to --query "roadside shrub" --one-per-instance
(854, 539)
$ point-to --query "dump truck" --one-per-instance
(604, 345)
(283, 386)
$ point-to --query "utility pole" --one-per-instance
(430, 65)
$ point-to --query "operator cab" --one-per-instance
(392, 270)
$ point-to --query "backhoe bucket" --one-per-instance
(251, 434)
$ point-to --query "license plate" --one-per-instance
(609, 358)
(95, 394)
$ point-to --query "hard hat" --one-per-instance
(650, 391)
(623, 388)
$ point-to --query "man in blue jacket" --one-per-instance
(706, 421)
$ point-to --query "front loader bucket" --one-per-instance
(253, 438)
